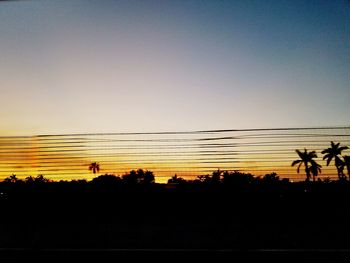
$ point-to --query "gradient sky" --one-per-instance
(139, 66)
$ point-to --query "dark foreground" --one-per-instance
(108, 255)
(60, 219)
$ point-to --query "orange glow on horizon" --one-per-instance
(67, 157)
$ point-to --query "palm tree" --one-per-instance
(315, 169)
(306, 158)
(95, 167)
(334, 152)
(347, 164)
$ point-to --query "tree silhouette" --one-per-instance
(306, 158)
(11, 179)
(139, 177)
(271, 177)
(347, 164)
(130, 178)
(176, 180)
(148, 177)
(315, 169)
(334, 152)
(41, 179)
(106, 179)
(237, 178)
(29, 179)
(204, 178)
(94, 167)
(216, 176)
(140, 174)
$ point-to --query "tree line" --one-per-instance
(139, 176)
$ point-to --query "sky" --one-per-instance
(144, 66)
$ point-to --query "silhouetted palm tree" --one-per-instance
(334, 152)
(94, 167)
(315, 169)
(347, 164)
(305, 158)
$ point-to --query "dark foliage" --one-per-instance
(139, 177)
(239, 212)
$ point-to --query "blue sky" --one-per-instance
(105, 66)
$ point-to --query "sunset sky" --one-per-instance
(119, 66)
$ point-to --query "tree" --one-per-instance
(204, 178)
(176, 180)
(216, 176)
(347, 164)
(41, 179)
(315, 169)
(271, 177)
(148, 177)
(334, 152)
(107, 179)
(130, 178)
(29, 179)
(306, 158)
(139, 177)
(94, 167)
(237, 178)
(11, 179)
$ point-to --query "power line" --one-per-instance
(166, 152)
